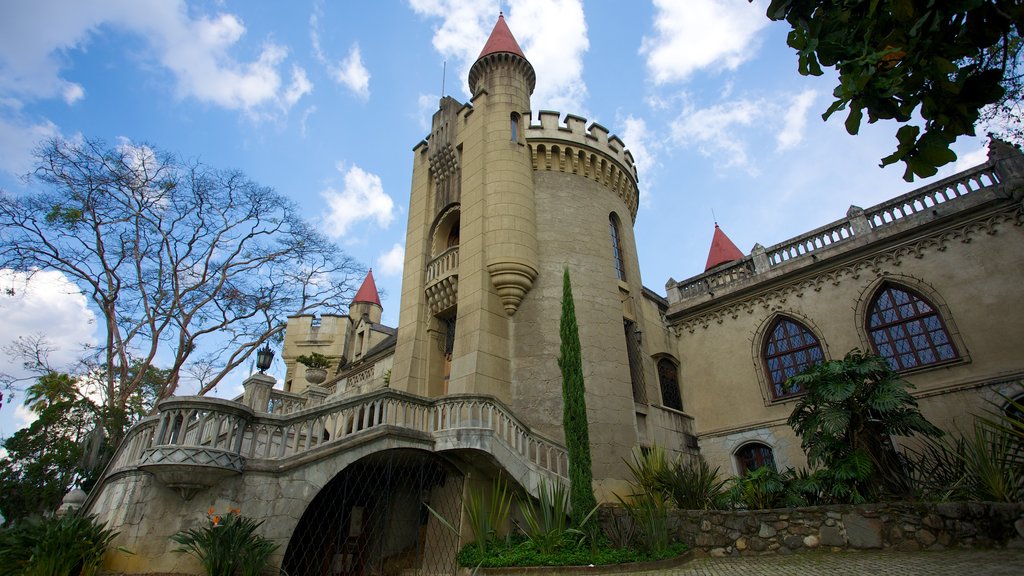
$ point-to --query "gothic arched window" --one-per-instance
(754, 455)
(789, 349)
(515, 127)
(906, 329)
(613, 230)
(668, 376)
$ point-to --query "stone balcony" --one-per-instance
(442, 287)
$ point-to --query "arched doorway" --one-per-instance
(372, 519)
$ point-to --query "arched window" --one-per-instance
(669, 379)
(613, 229)
(907, 330)
(789, 350)
(754, 455)
(515, 127)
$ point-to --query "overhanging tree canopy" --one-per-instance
(954, 62)
(188, 264)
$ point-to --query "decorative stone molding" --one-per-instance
(590, 152)
(443, 294)
(512, 281)
(189, 469)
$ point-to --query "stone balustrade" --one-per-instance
(928, 198)
(446, 264)
(198, 434)
(959, 192)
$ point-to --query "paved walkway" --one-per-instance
(872, 563)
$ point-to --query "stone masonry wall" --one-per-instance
(900, 526)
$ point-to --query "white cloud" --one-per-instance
(426, 105)
(552, 34)
(23, 416)
(362, 198)
(642, 145)
(36, 39)
(46, 303)
(18, 139)
(350, 72)
(391, 262)
(795, 120)
(970, 160)
(728, 131)
(716, 131)
(699, 34)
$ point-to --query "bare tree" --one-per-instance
(180, 260)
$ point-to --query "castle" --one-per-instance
(467, 388)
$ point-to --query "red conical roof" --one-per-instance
(722, 250)
(501, 40)
(368, 291)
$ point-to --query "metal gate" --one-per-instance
(372, 520)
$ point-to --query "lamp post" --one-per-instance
(264, 356)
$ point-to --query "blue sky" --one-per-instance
(325, 100)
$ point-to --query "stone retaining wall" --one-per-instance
(901, 526)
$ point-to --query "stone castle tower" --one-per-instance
(493, 202)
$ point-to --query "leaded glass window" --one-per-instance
(613, 226)
(753, 456)
(790, 349)
(907, 330)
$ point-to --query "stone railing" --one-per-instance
(208, 433)
(934, 201)
(926, 199)
(804, 244)
(282, 402)
(446, 264)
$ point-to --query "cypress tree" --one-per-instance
(574, 416)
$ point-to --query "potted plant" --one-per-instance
(316, 366)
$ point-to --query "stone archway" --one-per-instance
(372, 519)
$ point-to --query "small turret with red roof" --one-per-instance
(722, 250)
(500, 49)
(366, 301)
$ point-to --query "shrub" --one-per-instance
(227, 545)
(695, 487)
(54, 546)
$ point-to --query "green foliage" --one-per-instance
(314, 360)
(44, 460)
(488, 514)
(71, 544)
(696, 487)
(845, 418)
(690, 486)
(547, 519)
(650, 469)
(228, 545)
(760, 489)
(986, 464)
(942, 61)
(649, 513)
(574, 415)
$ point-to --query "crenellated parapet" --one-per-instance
(575, 148)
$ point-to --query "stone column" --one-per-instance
(315, 395)
(760, 258)
(257, 392)
(858, 221)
